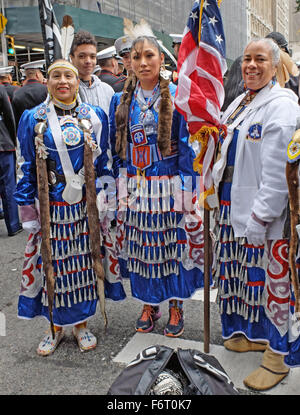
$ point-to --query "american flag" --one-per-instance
(200, 92)
(50, 31)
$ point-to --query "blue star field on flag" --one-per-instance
(212, 32)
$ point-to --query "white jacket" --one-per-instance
(259, 181)
(98, 94)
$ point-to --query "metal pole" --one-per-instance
(3, 40)
(207, 263)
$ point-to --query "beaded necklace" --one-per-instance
(145, 105)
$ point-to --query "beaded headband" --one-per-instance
(63, 64)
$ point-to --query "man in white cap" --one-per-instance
(97, 70)
(177, 39)
(110, 68)
(83, 55)
(123, 47)
(6, 80)
(33, 91)
(120, 65)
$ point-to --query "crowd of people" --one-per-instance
(107, 191)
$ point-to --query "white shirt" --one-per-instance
(98, 93)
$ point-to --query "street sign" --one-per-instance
(3, 21)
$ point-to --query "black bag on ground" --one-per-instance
(160, 370)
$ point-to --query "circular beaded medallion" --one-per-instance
(71, 136)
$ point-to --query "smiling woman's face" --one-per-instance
(257, 66)
(63, 84)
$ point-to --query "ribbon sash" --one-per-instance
(74, 182)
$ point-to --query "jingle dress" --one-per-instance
(75, 297)
(160, 246)
(255, 296)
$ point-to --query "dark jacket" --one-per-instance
(293, 84)
(115, 81)
(7, 123)
(28, 96)
(10, 89)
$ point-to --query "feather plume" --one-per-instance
(67, 35)
(140, 29)
(128, 27)
(288, 63)
(285, 68)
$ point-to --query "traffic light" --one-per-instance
(10, 45)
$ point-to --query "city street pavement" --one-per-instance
(70, 372)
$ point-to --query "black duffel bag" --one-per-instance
(160, 370)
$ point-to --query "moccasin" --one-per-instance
(269, 374)
(241, 344)
(85, 339)
(48, 345)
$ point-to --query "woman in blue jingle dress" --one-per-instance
(55, 129)
(160, 235)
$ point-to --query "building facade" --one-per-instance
(247, 19)
(242, 19)
(281, 16)
(168, 16)
(260, 16)
(235, 21)
(294, 31)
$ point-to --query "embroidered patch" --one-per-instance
(141, 157)
(254, 133)
(293, 151)
(41, 112)
(138, 135)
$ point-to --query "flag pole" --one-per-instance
(206, 313)
(207, 263)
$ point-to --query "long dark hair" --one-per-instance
(233, 85)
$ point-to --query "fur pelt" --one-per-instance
(122, 116)
(293, 185)
(43, 193)
(94, 225)
(165, 118)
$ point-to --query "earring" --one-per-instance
(163, 73)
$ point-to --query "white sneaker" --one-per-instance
(48, 345)
(85, 339)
